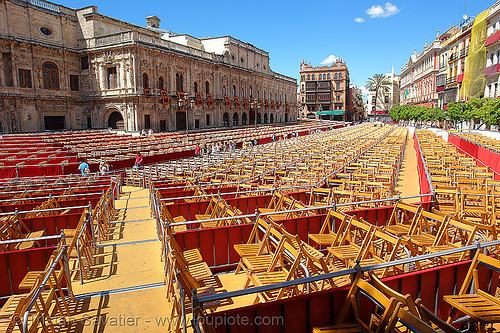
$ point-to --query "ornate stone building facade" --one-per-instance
(63, 68)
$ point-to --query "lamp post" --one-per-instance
(186, 103)
(255, 106)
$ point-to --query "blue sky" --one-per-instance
(311, 30)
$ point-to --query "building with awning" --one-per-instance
(325, 91)
(331, 114)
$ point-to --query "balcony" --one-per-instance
(452, 57)
(310, 86)
(451, 80)
(324, 85)
(493, 69)
(464, 52)
(492, 39)
(324, 98)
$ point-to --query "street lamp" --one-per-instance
(255, 105)
(320, 108)
(187, 104)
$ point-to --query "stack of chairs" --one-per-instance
(391, 311)
(186, 271)
(50, 299)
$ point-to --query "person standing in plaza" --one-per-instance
(84, 168)
(139, 161)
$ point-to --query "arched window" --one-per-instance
(207, 87)
(145, 80)
(340, 75)
(235, 119)
(234, 90)
(242, 92)
(271, 118)
(308, 76)
(225, 119)
(224, 90)
(160, 83)
(313, 77)
(195, 86)
(244, 118)
(258, 94)
(336, 75)
(251, 93)
(328, 76)
(50, 76)
(265, 118)
(178, 82)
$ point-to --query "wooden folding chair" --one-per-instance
(480, 305)
(360, 286)
(327, 233)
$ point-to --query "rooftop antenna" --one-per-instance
(465, 17)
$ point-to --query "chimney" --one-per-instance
(153, 21)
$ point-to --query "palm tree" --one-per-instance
(377, 82)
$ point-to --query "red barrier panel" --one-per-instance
(301, 313)
(52, 225)
(15, 264)
(216, 245)
(483, 155)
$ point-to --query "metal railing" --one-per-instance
(64, 255)
(427, 174)
(358, 269)
(282, 212)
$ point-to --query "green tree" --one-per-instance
(378, 82)
(455, 113)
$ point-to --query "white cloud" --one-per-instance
(377, 11)
(359, 20)
(330, 60)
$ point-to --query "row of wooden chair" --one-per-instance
(284, 162)
(277, 256)
(13, 227)
(490, 143)
(462, 188)
(49, 300)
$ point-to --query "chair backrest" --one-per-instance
(472, 273)
(430, 318)
(407, 300)
(360, 286)
(411, 322)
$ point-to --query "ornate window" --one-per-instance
(112, 78)
(178, 82)
(50, 76)
(161, 83)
